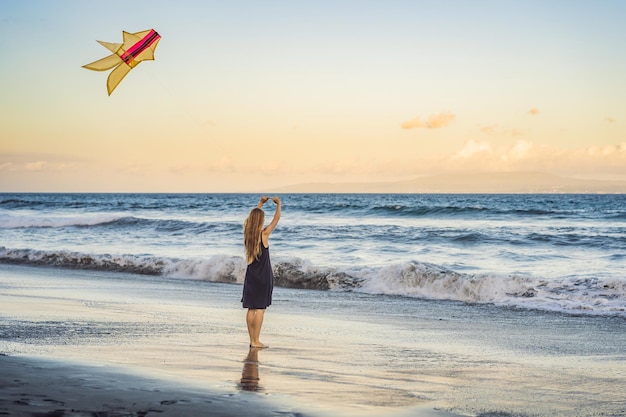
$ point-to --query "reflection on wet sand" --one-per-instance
(250, 374)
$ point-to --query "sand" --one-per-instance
(80, 343)
(36, 387)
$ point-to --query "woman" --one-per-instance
(259, 281)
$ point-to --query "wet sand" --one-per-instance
(118, 345)
(44, 388)
(36, 387)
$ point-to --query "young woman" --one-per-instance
(259, 281)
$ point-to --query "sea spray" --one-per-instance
(592, 296)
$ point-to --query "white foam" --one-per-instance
(433, 282)
(421, 280)
(590, 296)
(218, 268)
(31, 220)
(148, 265)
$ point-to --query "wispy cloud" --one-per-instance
(35, 166)
(489, 130)
(524, 155)
(473, 156)
(7, 166)
(33, 162)
(472, 148)
(482, 156)
(533, 111)
(610, 120)
(222, 165)
(434, 121)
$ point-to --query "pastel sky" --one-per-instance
(251, 95)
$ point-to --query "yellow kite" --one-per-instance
(137, 47)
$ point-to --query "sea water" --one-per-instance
(553, 253)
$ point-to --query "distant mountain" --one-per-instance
(519, 182)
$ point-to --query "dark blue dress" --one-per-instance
(259, 282)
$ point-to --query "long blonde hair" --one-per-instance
(252, 228)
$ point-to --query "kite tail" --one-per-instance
(104, 64)
(116, 76)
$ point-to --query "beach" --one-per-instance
(62, 388)
(180, 346)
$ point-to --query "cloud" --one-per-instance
(274, 168)
(434, 121)
(35, 166)
(474, 155)
(533, 111)
(610, 120)
(472, 148)
(478, 156)
(604, 151)
(34, 162)
(440, 120)
(413, 123)
(520, 150)
(224, 164)
(7, 166)
(488, 130)
(484, 155)
(524, 155)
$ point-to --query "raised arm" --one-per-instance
(262, 201)
(270, 227)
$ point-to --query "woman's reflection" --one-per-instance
(250, 374)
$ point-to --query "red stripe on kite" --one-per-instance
(140, 46)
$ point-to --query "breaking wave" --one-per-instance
(98, 221)
(589, 296)
(42, 221)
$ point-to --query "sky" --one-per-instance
(246, 96)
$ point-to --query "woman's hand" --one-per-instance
(270, 227)
(262, 201)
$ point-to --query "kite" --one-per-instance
(137, 47)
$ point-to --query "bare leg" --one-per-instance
(254, 320)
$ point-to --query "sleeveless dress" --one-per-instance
(259, 282)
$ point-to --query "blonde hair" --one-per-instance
(252, 228)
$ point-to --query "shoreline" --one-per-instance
(331, 354)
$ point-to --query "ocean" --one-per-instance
(384, 304)
(543, 252)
